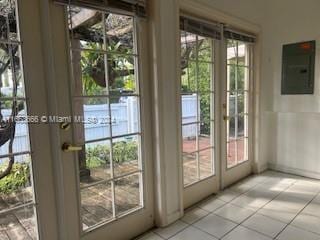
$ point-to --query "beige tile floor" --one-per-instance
(268, 206)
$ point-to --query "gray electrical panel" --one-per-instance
(298, 67)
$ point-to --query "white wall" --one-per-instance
(290, 123)
(248, 10)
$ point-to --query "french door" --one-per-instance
(236, 111)
(198, 115)
(216, 104)
(105, 142)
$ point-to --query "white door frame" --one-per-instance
(36, 94)
(237, 172)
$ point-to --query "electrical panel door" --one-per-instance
(298, 67)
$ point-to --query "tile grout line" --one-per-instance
(189, 225)
(159, 235)
(215, 197)
(297, 216)
(256, 211)
(212, 212)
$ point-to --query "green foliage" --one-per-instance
(125, 151)
(123, 69)
(130, 83)
(119, 71)
(197, 78)
(99, 155)
(236, 73)
(205, 114)
(18, 178)
(92, 64)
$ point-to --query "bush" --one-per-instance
(18, 178)
(122, 152)
(125, 152)
(97, 156)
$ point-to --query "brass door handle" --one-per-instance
(68, 147)
(226, 118)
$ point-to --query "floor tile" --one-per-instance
(284, 215)
(293, 233)
(227, 195)
(192, 233)
(251, 181)
(171, 230)
(283, 208)
(316, 199)
(215, 225)
(262, 204)
(299, 193)
(260, 178)
(291, 204)
(308, 185)
(307, 222)
(259, 192)
(212, 204)
(234, 213)
(264, 225)
(241, 187)
(242, 233)
(149, 236)
(194, 215)
(312, 209)
(250, 202)
(274, 186)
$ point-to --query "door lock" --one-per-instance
(68, 147)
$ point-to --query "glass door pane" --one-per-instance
(197, 95)
(237, 107)
(106, 100)
(17, 199)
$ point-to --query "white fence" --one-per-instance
(189, 115)
(124, 116)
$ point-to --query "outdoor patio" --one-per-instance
(96, 203)
(19, 224)
(235, 155)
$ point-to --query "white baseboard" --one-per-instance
(295, 171)
(168, 219)
(257, 169)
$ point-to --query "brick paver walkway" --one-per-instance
(205, 164)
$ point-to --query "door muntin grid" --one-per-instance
(18, 210)
(105, 78)
(237, 98)
(197, 99)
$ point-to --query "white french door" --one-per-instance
(216, 103)
(106, 159)
(236, 141)
(198, 115)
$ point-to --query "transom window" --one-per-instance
(197, 95)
